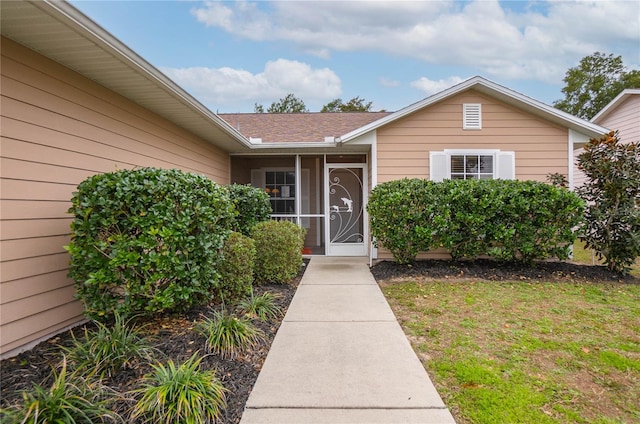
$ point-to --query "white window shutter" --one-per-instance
(438, 169)
(506, 165)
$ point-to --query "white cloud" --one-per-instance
(227, 87)
(538, 42)
(431, 87)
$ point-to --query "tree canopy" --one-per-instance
(591, 85)
(292, 104)
(356, 104)
(288, 104)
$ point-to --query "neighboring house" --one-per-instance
(621, 114)
(75, 101)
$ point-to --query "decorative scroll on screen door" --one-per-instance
(345, 200)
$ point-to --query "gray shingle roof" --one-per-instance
(299, 127)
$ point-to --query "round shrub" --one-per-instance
(278, 251)
(252, 206)
(534, 220)
(466, 207)
(404, 217)
(146, 240)
(236, 267)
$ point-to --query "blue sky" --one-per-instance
(231, 55)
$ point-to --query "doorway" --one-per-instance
(344, 208)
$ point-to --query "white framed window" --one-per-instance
(471, 116)
(472, 166)
(481, 164)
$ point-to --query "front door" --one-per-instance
(345, 199)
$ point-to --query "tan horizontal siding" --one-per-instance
(33, 209)
(44, 323)
(21, 308)
(37, 171)
(101, 107)
(626, 119)
(57, 129)
(418, 144)
(30, 228)
(416, 133)
(29, 267)
(35, 190)
(129, 154)
(32, 247)
(403, 146)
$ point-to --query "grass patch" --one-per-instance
(527, 352)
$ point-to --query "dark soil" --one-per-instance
(175, 339)
(486, 269)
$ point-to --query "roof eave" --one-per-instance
(610, 107)
(75, 22)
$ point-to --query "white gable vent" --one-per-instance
(471, 116)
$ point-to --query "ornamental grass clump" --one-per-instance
(227, 335)
(71, 399)
(262, 307)
(180, 394)
(103, 352)
(146, 241)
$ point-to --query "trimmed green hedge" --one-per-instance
(236, 267)
(147, 240)
(508, 220)
(278, 251)
(252, 205)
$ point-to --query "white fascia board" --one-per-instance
(103, 38)
(296, 145)
(614, 103)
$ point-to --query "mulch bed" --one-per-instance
(487, 269)
(174, 337)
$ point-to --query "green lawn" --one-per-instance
(522, 352)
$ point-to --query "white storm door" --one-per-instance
(345, 200)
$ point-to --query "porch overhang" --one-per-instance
(334, 147)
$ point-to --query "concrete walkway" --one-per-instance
(340, 356)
